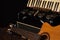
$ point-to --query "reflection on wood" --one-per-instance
(54, 32)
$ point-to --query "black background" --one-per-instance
(11, 8)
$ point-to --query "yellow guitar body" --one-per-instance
(54, 32)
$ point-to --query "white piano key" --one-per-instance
(41, 4)
(33, 3)
(48, 5)
(53, 7)
(58, 10)
(38, 3)
(44, 4)
(56, 6)
(28, 3)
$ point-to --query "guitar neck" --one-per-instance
(53, 5)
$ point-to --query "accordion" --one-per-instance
(40, 20)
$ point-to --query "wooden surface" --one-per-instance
(54, 32)
(4, 35)
(26, 34)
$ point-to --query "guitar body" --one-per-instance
(52, 33)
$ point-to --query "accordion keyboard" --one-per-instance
(54, 5)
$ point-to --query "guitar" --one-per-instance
(52, 33)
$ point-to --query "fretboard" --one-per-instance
(53, 5)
